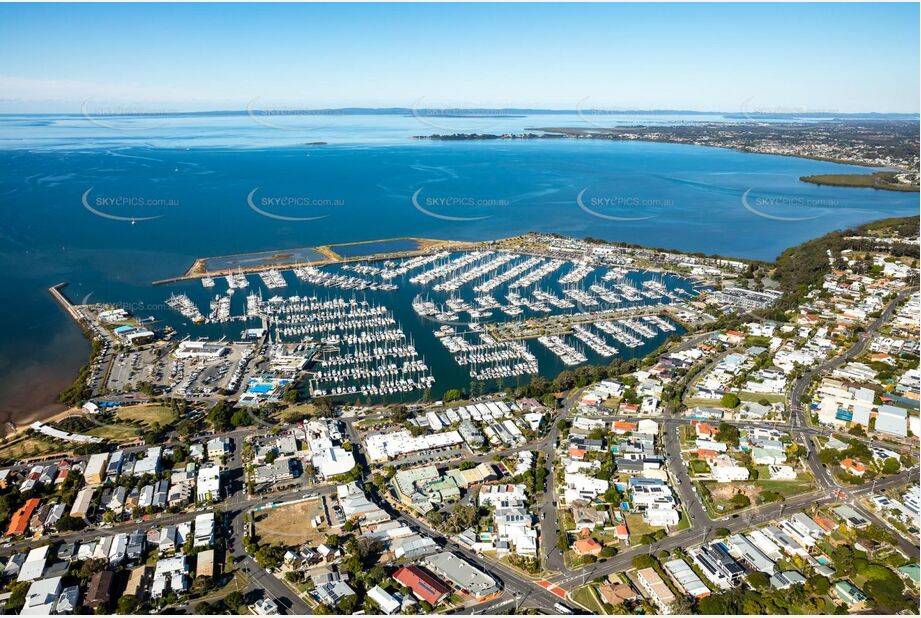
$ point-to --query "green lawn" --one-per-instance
(587, 598)
(700, 401)
(752, 489)
(611, 403)
(28, 447)
(116, 433)
(699, 466)
(771, 397)
(146, 414)
(504, 560)
(683, 523)
(787, 488)
(638, 527)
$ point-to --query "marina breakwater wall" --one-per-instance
(55, 291)
(199, 268)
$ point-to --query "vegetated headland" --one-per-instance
(886, 181)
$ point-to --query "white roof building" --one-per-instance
(204, 529)
(150, 464)
(384, 600)
(494, 495)
(686, 578)
(580, 486)
(169, 575)
(333, 462)
(209, 483)
(892, 420)
(42, 597)
(725, 470)
(34, 565)
(382, 447)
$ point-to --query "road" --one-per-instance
(549, 522)
(702, 526)
(517, 588)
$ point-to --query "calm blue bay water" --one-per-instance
(196, 187)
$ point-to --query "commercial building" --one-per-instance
(384, 447)
(355, 503)
(200, 349)
(425, 586)
(481, 473)
(462, 575)
(279, 470)
(892, 421)
(208, 487)
(333, 461)
(421, 489)
(412, 547)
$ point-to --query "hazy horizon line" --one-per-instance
(461, 111)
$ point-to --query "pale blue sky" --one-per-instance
(720, 57)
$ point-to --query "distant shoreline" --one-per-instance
(876, 180)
